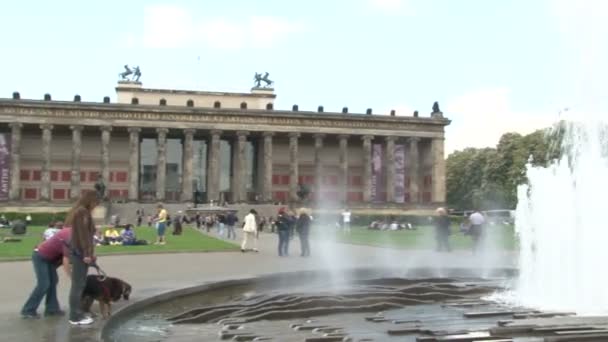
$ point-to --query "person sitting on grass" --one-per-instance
(111, 236)
(51, 230)
(98, 238)
(129, 238)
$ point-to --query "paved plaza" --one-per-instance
(157, 273)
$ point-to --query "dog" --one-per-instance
(104, 290)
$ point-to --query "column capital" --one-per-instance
(367, 137)
(390, 138)
(268, 134)
(106, 128)
(76, 127)
(343, 136)
(162, 130)
(215, 132)
(319, 136)
(293, 135)
(413, 139)
(133, 129)
(15, 125)
(46, 127)
(189, 131)
(242, 134)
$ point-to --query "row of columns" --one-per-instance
(239, 172)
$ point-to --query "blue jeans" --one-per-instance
(283, 242)
(46, 286)
(231, 232)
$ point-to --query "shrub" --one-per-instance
(38, 219)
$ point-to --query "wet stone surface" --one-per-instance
(388, 309)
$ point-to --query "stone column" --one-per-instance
(438, 194)
(318, 166)
(267, 179)
(14, 193)
(414, 171)
(134, 163)
(367, 168)
(213, 167)
(76, 151)
(390, 169)
(343, 192)
(161, 163)
(45, 188)
(239, 184)
(293, 166)
(187, 175)
(105, 155)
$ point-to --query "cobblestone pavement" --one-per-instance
(156, 273)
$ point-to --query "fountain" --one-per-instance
(561, 221)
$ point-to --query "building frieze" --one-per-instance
(262, 119)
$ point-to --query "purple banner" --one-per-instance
(5, 166)
(377, 172)
(399, 173)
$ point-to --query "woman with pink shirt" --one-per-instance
(49, 255)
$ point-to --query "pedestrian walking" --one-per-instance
(249, 231)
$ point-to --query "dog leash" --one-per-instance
(101, 275)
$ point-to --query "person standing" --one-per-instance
(346, 215)
(477, 220)
(221, 224)
(442, 230)
(231, 221)
(284, 225)
(161, 225)
(177, 224)
(250, 229)
(303, 228)
(46, 258)
(82, 252)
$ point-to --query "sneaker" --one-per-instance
(84, 321)
(30, 316)
(57, 313)
(162, 243)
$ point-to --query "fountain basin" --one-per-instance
(364, 303)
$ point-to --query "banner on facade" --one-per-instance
(5, 166)
(377, 172)
(399, 173)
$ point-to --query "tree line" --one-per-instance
(487, 178)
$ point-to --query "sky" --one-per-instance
(494, 66)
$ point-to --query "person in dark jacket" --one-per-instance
(303, 229)
(284, 225)
(442, 230)
(177, 223)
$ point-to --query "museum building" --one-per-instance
(162, 145)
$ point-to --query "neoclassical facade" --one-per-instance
(180, 146)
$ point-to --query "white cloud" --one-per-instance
(170, 26)
(167, 26)
(583, 26)
(391, 6)
(481, 117)
(221, 34)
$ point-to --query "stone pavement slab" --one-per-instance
(156, 273)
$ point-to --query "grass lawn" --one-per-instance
(499, 236)
(189, 241)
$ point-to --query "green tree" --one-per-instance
(488, 178)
